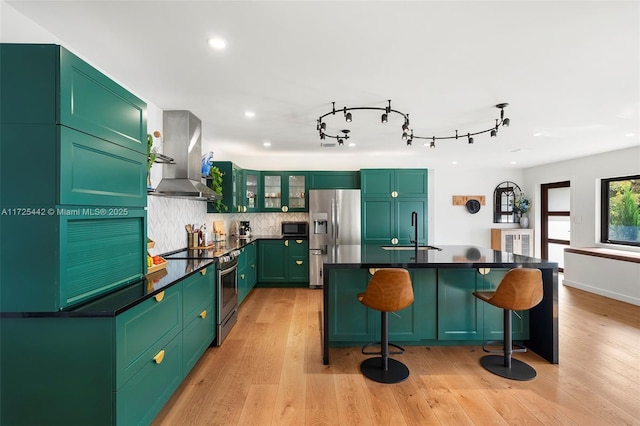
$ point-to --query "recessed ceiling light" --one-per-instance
(351, 144)
(514, 162)
(249, 114)
(537, 134)
(266, 143)
(630, 135)
(217, 43)
(454, 162)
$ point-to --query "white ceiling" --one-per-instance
(569, 70)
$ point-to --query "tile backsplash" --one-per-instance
(166, 218)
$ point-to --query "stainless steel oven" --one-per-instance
(227, 281)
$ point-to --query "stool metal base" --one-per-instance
(372, 369)
(518, 370)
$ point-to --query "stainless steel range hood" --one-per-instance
(182, 141)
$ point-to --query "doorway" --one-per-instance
(555, 226)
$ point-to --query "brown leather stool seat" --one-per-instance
(388, 290)
(519, 290)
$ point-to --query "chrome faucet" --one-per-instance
(414, 223)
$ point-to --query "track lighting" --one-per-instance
(384, 118)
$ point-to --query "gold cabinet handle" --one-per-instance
(253, 266)
(299, 262)
(299, 241)
(203, 271)
(394, 241)
(244, 209)
(372, 271)
(285, 209)
(242, 276)
(159, 296)
(484, 271)
(394, 194)
(159, 357)
(286, 243)
(203, 314)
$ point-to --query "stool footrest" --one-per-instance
(515, 347)
(400, 350)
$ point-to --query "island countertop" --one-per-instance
(543, 336)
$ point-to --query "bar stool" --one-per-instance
(388, 290)
(519, 290)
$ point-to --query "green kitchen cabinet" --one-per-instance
(47, 84)
(247, 270)
(251, 191)
(198, 316)
(389, 197)
(82, 252)
(284, 191)
(396, 183)
(415, 323)
(461, 316)
(90, 131)
(334, 179)
(283, 262)
(231, 188)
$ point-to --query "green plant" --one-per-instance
(215, 183)
(151, 155)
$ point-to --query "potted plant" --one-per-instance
(215, 183)
(521, 206)
(151, 158)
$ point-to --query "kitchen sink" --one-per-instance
(411, 247)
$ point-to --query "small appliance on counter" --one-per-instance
(244, 230)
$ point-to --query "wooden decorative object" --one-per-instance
(461, 200)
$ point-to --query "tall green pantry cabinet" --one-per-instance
(73, 224)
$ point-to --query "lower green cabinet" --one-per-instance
(461, 316)
(354, 322)
(247, 270)
(104, 369)
(283, 262)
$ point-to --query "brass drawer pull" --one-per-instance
(159, 357)
(298, 262)
(242, 276)
(159, 296)
(286, 243)
(299, 241)
(203, 314)
(203, 271)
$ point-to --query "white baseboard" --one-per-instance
(602, 292)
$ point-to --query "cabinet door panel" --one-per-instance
(93, 103)
(96, 172)
(411, 183)
(419, 320)
(377, 183)
(272, 261)
(198, 292)
(353, 321)
(459, 312)
(377, 221)
(197, 335)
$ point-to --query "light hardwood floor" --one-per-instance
(269, 371)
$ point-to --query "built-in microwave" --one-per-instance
(295, 229)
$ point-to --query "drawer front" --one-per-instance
(197, 336)
(99, 251)
(142, 331)
(142, 397)
(197, 292)
(299, 269)
(299, 248)
(96, 172)
(94, 104)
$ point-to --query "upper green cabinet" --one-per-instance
(395, 183)
(284, 191)
(251, 190)
(389, 197)
(231, 189)
(47, 84)
(70, 135)
(334, 180)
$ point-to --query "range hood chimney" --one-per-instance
(182, 141)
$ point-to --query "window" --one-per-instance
(620, 219)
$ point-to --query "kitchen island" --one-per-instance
(445, 312)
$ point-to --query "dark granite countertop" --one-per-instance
(177, 269)
(462, 256)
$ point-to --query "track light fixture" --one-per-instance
(321, 125)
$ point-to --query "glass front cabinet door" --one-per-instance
(297, 192)
(272, 195)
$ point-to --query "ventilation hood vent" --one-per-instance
(182, 141)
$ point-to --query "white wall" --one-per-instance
(612, 278)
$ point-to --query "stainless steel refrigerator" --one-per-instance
(334, 220)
